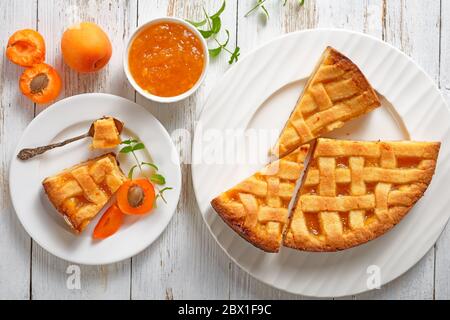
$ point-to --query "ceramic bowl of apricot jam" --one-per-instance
(166, 59)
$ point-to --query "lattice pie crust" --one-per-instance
(106, 134)
(257, 208)
(336, 92)
(354, 191)
(80, 192)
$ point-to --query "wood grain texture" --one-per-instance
(15, 113)
(407, 27)
(254, 31)
(442, 267)
(362, 16)
(117, 18)
(185, 262)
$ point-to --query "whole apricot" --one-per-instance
(86, 47)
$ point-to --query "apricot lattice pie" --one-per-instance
(336, 92)
(257, 208)
(106, 134)
(354, 191)
(80, 192)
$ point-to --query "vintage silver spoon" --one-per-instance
(29, 153)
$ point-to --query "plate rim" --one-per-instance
(247, 56)
(43, 113)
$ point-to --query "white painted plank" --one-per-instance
(356, 15)
(442, 274)
(185, 262)
(254, 31)
(413, 26)
(117, 18)
(361, 16)
(15, 113)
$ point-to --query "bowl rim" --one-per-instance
(147, 94)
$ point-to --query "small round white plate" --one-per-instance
(71, 117)
(243, 117)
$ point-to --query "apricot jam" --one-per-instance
(166, 59)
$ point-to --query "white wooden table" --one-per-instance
(185, 262)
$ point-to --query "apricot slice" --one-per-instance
(85, 47)
(26, 47)
(109, 223)
(41, 83)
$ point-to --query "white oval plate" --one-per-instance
(71, 117)
(259, 93)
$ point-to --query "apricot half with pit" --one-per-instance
(26, 47)
(86, 47)
(41, 83)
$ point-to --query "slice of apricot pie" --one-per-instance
(257, 208)
(79, 193)
(355, 191)
(106, 134)
(335, 93)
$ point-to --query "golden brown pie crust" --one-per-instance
(257, 208)
(336, 92)
(352, 191)
(80, 192)
(106, 134)
(355, 191)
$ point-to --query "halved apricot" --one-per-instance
(26, 47)
(136, 196)
(41, 83)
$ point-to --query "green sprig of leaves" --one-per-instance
(260, 4)
(132, 145)
(161, 194)
(213, 25)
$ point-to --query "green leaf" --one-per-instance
(235, 55)
(161, 193)
(138, 146)
(129, 141)
(215, 52)
(126, 149)
(158, 179)
(258, 4)
(301, 2)
(265, 11)
(228, 38)
(196, 24)
(218, 13)
(130, 173)
(150, 165)
(206, 33)
(216, 25)
(284, 3)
